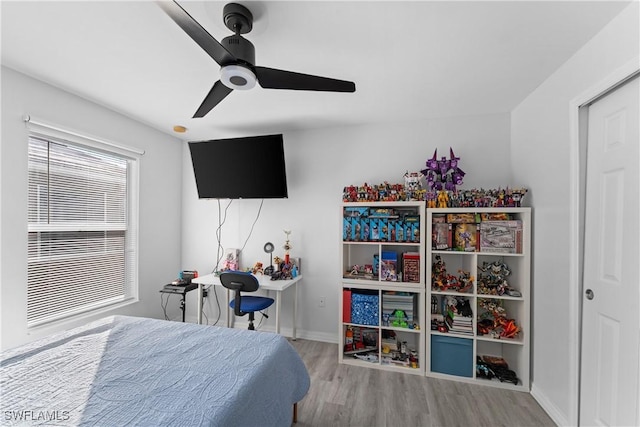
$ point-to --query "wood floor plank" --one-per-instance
(346, 395)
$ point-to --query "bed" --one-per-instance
(123, 370)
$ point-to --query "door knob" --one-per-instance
(589, 294)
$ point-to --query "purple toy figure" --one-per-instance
(443, 174)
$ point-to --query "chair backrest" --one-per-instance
(239, 281)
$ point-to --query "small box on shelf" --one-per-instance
(442, 236)
(389, 266)
(465, 237)
(346, 305)
(411, 267)
(452, 355)
(501, 236)
(364, 307)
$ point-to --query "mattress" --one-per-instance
(144, 372)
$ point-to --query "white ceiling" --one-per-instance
(409, 60)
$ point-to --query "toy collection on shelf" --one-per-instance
(493, 320)
(492, 279)
(441, 280)
(460, 198)
(442, 178)
(368, 224)
(493, 233)
(362, 343)
(489, 367)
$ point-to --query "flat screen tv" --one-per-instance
(240, 168)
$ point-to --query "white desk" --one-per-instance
(265, 283)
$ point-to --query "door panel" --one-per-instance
(611, 320)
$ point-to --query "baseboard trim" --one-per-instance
(287, 332)
(552, 410)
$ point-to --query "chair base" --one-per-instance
(251, 319)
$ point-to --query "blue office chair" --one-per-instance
(239, 282)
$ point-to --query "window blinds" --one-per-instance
(80, 248)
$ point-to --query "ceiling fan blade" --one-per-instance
(270, 78)
(217, 93)
(190, 26)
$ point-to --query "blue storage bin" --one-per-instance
(364, 309)
(451, 355)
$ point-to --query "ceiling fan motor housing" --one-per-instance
(239, 75)
(241, 48)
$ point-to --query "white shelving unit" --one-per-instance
(453, 355)
(367, 297)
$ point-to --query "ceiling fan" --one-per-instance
(236, 57)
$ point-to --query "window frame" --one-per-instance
(132, 157)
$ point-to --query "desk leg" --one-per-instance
(278, 294)
(295, 310)
(199, 304)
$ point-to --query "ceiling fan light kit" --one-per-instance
(237, 77)
(236, 57)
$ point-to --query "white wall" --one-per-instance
(541, 157)
(319, 164)
(160, 176)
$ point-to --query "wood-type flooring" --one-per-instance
(345, 395)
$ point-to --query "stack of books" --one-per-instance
(460, 325)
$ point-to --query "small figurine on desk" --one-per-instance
(231, 260)
(276, 262)
(285, 266)
(287, 247)
(257, 268)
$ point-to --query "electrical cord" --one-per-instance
(264, 314)
(215, 293)
(203, 313)
(253, 225)
(220, 251)
(164, 304)
(221, 222)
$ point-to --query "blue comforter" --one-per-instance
(122, 371)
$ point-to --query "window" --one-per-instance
(82, 233)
